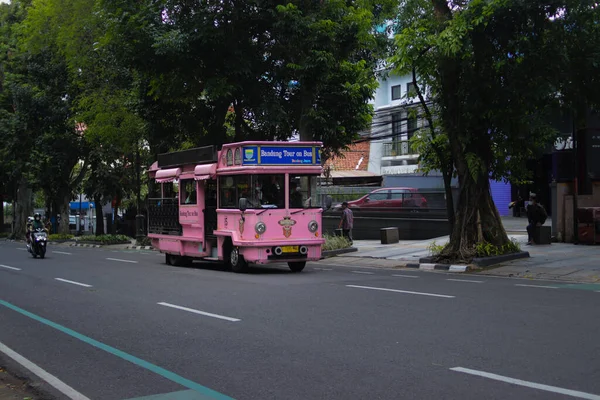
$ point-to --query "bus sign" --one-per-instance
(281, 155)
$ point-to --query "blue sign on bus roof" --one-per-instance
(281, 155)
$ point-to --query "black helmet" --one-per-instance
(37, 216)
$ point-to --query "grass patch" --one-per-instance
(485, 249)
(435, 249)
(60, 236)
(105, 239)
(482, 249)
(335, 243)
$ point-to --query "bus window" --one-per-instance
(303, 191)
(188, 192)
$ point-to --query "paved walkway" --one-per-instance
(561, 261)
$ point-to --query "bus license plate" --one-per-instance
(289, 249)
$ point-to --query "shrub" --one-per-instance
(4, 235)
(60, 236)
(435, 249)
(485, 249)
(335, 243)
(143, 241)
(105, 239)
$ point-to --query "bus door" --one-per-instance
(210, 208)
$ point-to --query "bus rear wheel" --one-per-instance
(297, 266)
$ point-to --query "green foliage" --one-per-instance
(60, 236)
(486, 249)
(435, 249)
(105, 239)
(503, 96)
(4, 235)
(335, 243)
(143, 241)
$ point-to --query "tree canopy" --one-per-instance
(494, 71)
(90, 83)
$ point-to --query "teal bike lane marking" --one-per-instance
(595, 287)
(202, 390)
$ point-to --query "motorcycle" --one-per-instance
(38, 242)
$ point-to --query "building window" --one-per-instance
(410, 89)
(396, 125)
(396, 92)
(411, 126)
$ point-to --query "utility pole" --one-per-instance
(140, 230)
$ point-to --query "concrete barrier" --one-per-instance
(411, 226)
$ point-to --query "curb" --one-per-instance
(438, 267)
(487, 261)
(96, 246)
(333, 253)
(139, 248)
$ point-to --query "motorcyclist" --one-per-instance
(34, 225)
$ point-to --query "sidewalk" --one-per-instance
(559, 261)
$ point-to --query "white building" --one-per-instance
(397, 118)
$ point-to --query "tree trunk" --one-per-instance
(23, 209)
(449, 198)
(1, 213)
(477, 221)
(64, 211)
(99, 216)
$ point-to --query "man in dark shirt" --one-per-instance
(536, 215)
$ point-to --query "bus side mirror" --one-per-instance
(328, 202)
(243, 204)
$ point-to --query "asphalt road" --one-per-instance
(121, 325)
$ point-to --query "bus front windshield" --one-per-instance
(260, 191)
(303, 191)
(268, 191)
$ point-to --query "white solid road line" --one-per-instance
(73, 282)
(406, 276)
(363, 272)
(207, 314)
(538, 286)
(50, 379)
(22, 249)
(323, 269)
(63, 252)
(125, 261)
(464, 280)
(400, 291)
(7, 267)
(519, 382)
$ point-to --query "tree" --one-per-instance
(276, 69)
(486, 65)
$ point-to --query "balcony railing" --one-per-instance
(398, 148)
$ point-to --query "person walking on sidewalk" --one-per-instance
(347, 221)
(536, 215)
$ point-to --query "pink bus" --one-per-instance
(250, 202)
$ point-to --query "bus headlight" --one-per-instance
(260, 227)
(313, 226)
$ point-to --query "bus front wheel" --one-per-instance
(236, 260)
(297, 266)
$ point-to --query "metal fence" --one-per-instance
(163, 217)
